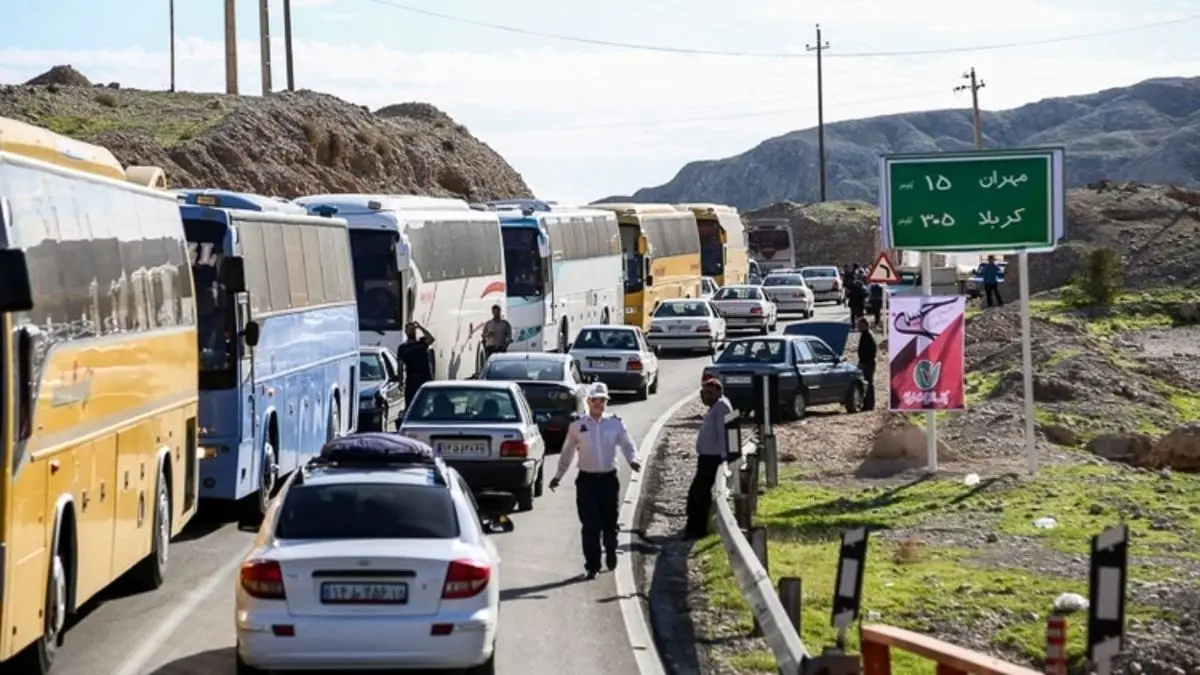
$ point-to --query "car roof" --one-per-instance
(681, 301)
(469, 384)
(333, 475)
(735, 286)
(609, 326)
(821, 267)
(526, 356)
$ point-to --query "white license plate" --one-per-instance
(461, 448)
(680, 329)
(737, 379)
(603, 365)
(364, 594)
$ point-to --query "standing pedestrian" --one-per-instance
(876, 303)
(992, 275)
(856, 298)
(596, 438)
(710, 455)
(415, 355)
(497, 333)
(868, 351)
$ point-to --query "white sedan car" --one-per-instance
(618, 356)
(746, 308)
(790, 294)
(686, 325)
(373, 556)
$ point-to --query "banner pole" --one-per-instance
(931, 458)
(1027, 361)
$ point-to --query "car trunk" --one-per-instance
(821, 284)
(742, 308)
(366, 577)
(784, 293)
(549, 401)
(602, 359)
(463, 440)
(679, 326)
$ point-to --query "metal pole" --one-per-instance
(931, 458)
(172, 19)
(231, 63)
(1027, 362)
(975, 110)
(818, 48)
(287, 44)
(768, 440)
(264, 43)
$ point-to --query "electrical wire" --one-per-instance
(776, 55)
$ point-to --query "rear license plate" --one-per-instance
(602, 365)
(457, 448)
(364, 594)
(737, 379)
(680, 329)
(542, 417)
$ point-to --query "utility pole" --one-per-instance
(974, 86)
(172, 29)
(231, 62)
(287, 43)
(819, 47)
(264, 43)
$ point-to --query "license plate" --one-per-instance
(541, 417)
(461, 448)
(603, 365)
(364, 594)
(737, 379)
(680, 329)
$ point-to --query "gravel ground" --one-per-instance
(696, 638)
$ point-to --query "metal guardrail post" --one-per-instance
(757, 536)
(751, 481)
(741, 511)
(791, 594)
(772, 459)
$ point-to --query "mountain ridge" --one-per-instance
(1147, 132)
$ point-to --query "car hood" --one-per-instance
(367, 390)
(834, 333)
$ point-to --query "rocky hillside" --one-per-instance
(287, 144)
(1146, 132)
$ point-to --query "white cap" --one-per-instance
(598, 390)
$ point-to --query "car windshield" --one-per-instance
(543, 370)
(753, 351)
(367, 511)
(676, 309)
(615, 339)
(463, 404)
(818, 272)
(783, 280)
(370, 367)
(742, 293)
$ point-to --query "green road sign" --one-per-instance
(974, 201)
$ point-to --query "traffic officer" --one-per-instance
(596, 438)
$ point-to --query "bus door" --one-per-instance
(550, 301)
(247, 332)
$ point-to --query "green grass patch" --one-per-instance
(980, 384)
(915, 585)
(1112, 325)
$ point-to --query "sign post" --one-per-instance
(983, 201)
(1106, 597)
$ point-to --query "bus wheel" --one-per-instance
(335, 422)
(267, 477)
(38, 658)
(152, 571)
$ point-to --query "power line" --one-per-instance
(712, 118)
(774, 55)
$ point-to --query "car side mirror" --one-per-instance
(251, 333)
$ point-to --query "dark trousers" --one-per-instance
(877, 311)
(868, 370)
(856, 311)
(992, 291)
(699, 499)
(411, 385)
(597, 497)
(488, 351)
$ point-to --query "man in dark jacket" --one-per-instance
(876, 303)
(856, 298)
(868, 351)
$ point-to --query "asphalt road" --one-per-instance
(552, 621)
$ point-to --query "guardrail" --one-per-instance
(776, 615)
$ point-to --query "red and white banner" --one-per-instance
(926, 353)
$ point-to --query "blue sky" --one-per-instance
(582, 121)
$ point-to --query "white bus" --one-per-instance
(428, 259)
(564, 271)
(770, 243)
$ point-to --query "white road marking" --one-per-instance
(641, 640)
(148, 647)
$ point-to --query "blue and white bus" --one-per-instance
(428, 259)
(564, 271)
(278, 338)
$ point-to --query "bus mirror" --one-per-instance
(642, 246)
(250, 334)
(233, 273)
(16, 291)
(402, 256)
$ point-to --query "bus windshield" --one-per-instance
(214, 309)
(634, 261)
(766, 243)
(522, 262)
(376, 279)
(712, 252)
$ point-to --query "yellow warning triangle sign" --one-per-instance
(883, 271)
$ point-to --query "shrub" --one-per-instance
(1098, 280)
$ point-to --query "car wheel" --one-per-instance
(854, 399)
(798, 408)
(525, 498)
(244, 668)
(539, 486)
(653, 389)
(642, 393)
(486, 668)
(765, 330)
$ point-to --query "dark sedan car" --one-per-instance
(551, 383)
(380, 390)
(809, 371)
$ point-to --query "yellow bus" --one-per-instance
(98, 384)
(661, 246)
(722, 243)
